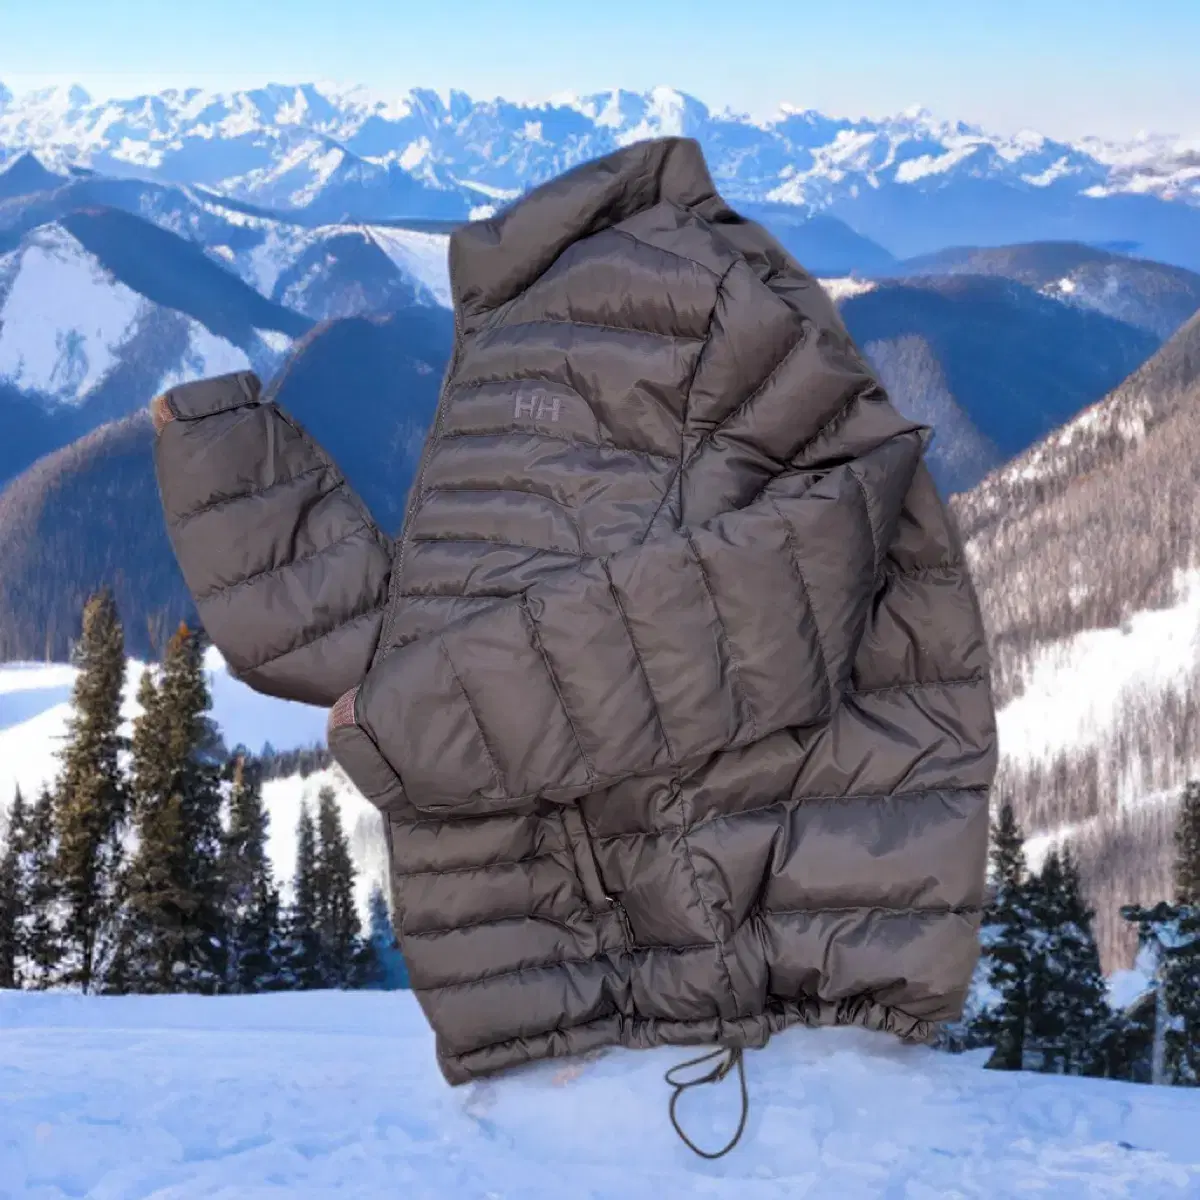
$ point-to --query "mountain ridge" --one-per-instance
(1085, 551)
(299, 145)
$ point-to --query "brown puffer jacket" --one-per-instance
(673, 692)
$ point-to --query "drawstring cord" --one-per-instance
(731, 1056)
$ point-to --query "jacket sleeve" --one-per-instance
(695, 642)
(287, 569)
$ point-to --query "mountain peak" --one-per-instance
(63, 98)
(25, 175)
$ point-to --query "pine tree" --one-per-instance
(1182, 975)
(304, 945)
(251, 900)
(13, 897)
(1004, 1019)
(90, 796)
(1068, 1012)
(338, 924)
(172, 939)
(39, 926)
(1170, 934)
(1187, 846)
(386, 968)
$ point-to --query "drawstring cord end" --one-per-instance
(730, 1057)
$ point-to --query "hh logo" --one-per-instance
(538, 407)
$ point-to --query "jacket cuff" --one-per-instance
(191, 401)
(355, 751)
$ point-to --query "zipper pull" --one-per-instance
(623, 917)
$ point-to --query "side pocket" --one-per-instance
(603, 905)
(355, 752)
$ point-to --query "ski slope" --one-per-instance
(336, 1094)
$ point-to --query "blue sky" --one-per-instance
(1066, 67)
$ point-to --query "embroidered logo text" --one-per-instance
(538, 407)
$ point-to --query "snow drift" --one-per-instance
(321, 1094)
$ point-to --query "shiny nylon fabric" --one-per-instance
(673, 691)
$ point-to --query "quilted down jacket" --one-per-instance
(672, 691)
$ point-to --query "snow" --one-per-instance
(360, 819)
(63, 317)
(323, 1094)
(268, 260)
(206, 354)
(930, 164)
(1076, 688)
(845, 286)
(276, 342)
(1131, 983)
(422, 256)
(415, 153)
(292, 133)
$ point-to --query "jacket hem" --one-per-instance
(642, 1033)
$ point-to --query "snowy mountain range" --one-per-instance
(176, 235)
(913, 183)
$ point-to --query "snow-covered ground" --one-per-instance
(1077, 688)
(310, 1095)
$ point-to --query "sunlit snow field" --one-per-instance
(337, 1094)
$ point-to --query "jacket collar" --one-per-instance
(491, 261)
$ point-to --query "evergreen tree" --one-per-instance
(39, 926)
(1068, 1011)
(1003, 1020)
(1187, 846)
(1170, 934)
(1182, 975)
(386, 968)
(251, 900)
(172, 939)
(338, 922)
(13, 894)
(304, 946)
(90, 795)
